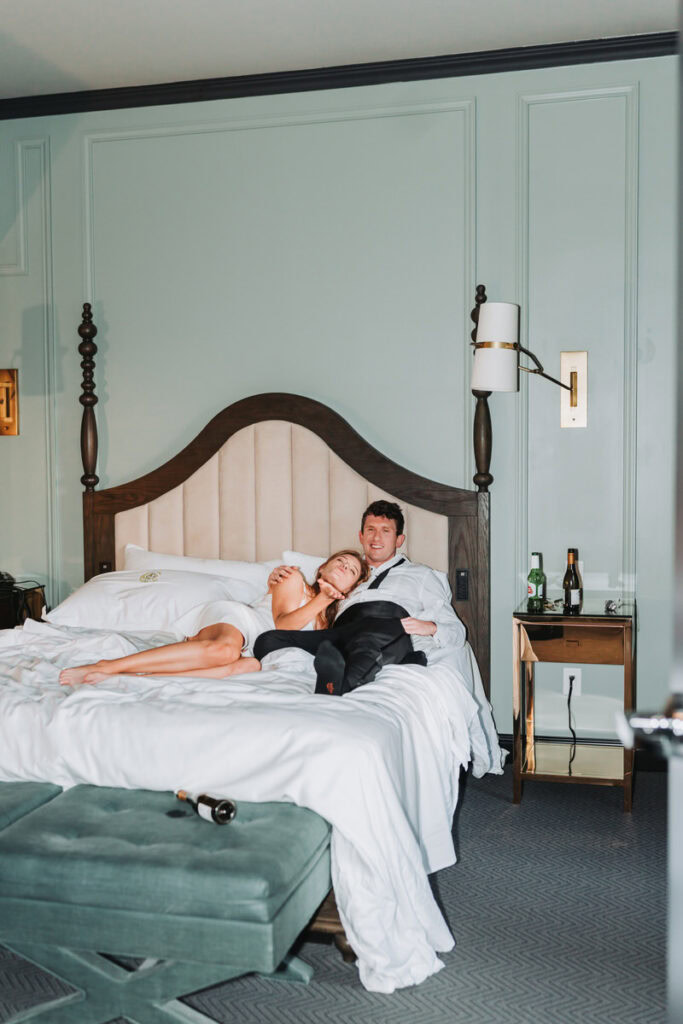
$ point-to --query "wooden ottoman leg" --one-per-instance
(327, 922)
(344, 947)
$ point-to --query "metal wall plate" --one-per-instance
(574, 416)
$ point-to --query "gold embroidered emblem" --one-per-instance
(150, 577)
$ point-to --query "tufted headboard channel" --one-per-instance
(272, 486)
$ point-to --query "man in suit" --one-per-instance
(395, 617)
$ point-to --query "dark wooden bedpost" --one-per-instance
(96, 528)
(88, 400)
(483, 437)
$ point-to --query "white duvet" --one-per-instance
(381, 764)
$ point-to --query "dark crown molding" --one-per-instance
(484, 62)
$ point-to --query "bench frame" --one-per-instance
(147, 994)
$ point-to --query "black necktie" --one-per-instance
(378, 579)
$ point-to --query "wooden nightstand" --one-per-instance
(594, 637)
(25, 600)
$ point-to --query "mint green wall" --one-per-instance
(328, 244)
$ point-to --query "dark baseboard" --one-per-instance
(589, 51)
(646, 758)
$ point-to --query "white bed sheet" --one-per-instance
(381, 764)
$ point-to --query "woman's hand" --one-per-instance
(419, 627)
(280, 573)
(330, 591)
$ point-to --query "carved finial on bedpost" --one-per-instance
(483, 437)
(479, 297)
(88, 399)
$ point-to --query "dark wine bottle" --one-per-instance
(209, 807)
(571, 586)
(578, 573)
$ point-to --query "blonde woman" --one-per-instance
(218, 649)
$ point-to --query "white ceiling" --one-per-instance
(49, 46)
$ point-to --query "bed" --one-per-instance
(275, 477)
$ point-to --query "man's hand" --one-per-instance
(419, 627)
(281, 572)
(330, 591)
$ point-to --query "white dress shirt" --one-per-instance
(423, 594)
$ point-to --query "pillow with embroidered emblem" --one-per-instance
(253, 573)
(151, 599)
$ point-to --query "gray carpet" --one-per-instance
(558, 907)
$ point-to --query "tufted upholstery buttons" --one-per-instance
(114, 848)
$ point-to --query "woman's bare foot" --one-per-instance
(95, 677)
(74, 676)
(81, 674)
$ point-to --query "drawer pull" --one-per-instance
(572, 643)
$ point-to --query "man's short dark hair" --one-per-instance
(388, 509)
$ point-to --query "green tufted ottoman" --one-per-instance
(110, 870)
(19, 798)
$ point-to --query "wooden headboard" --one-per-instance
(277, 472)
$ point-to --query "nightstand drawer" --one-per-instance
(585, 644)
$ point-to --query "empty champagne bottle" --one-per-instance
(571, 586)
(535, 584)
(209, 807)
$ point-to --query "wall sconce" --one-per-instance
(496, 360)
(9, 403)
(496, 368)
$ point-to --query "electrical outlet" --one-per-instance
(576, 689)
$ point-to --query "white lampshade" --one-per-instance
(495, 369)
(495, 364)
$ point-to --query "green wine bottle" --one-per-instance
(535, 584)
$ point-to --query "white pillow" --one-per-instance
(154, 599)
(253, 573)
(309, 564)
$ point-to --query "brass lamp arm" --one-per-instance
(541, 373)
(527, 369)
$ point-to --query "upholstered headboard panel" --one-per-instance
(273, 486)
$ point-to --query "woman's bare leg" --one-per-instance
(240, 667)
(213, 647)
(235, 668)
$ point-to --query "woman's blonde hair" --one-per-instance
(328, 615)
